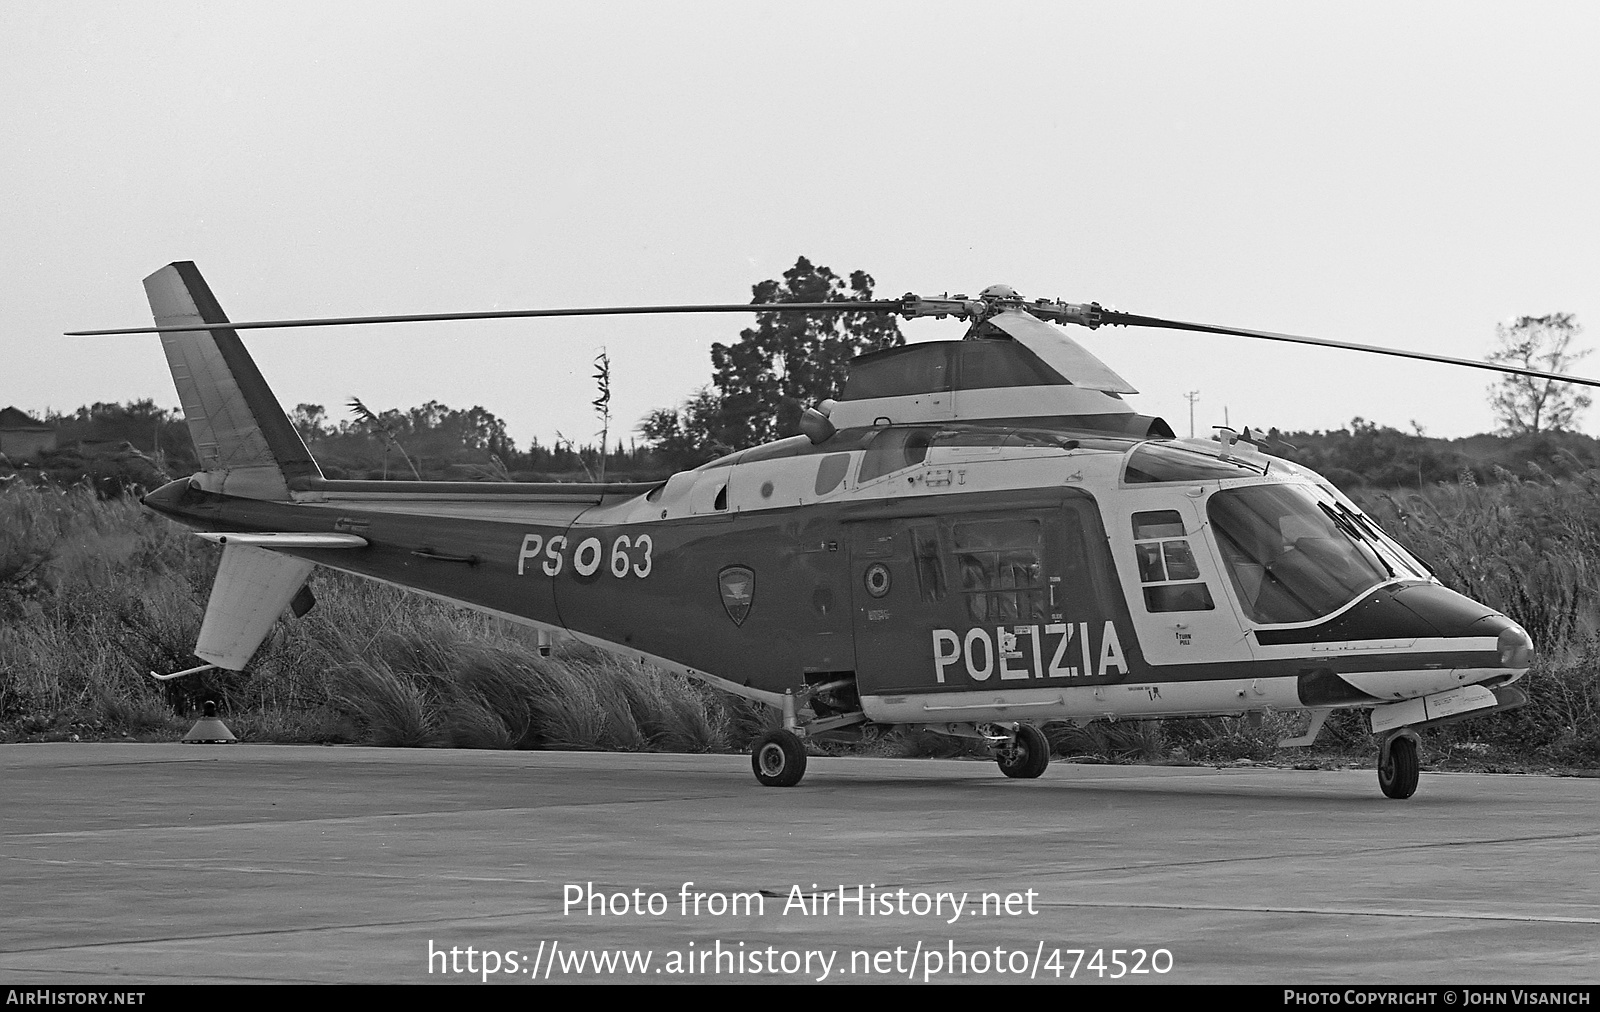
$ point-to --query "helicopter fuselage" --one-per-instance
(978, 536)
(941, 573)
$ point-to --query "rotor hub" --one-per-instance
(998, 299)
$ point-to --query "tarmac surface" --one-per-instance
(125, 864)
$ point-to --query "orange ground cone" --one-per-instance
(209, 730)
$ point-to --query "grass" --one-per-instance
(1531, 549)
(95, 593)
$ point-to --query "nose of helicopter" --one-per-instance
(1451, 634)
(1515, 645)
(1422, 612)
(1401, 611)
(1452, 615)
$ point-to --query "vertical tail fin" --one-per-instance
(246, 444)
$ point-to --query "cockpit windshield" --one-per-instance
(1294, 556)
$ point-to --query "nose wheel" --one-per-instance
(1399, 767)
(778, 759)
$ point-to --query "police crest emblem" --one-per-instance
(738, 586)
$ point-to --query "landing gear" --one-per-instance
(1026, 757)
(778, 759)
(1398, 766)
(827, 706)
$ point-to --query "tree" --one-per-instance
(160, 432)
(686, 436)
(439, 428)
(309, 420)
(1524, 405)
(784, 363)
(385, 429)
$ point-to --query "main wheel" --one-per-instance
(1398, 774)
(778, 759)
(1028, 757)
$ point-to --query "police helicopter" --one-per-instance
(976, 537)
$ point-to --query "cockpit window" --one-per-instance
(1156, 462)
(1291, 556)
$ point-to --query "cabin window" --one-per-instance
(1002, 570)
(929, 563)
(1167, 566)
(1009, 568)
(1073, 588)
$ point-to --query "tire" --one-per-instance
(1398, 775)
(778, 759)
(1029, 757)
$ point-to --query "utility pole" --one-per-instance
(1191, 397)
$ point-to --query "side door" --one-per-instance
(984, 599)
(1173, 582)
(894, 602)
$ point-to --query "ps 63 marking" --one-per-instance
(627, 556)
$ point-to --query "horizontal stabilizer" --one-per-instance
(285, 539)
(253, 588)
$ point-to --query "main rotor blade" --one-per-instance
(1116, 319)
(516, 314)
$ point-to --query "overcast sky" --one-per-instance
(1405, 174)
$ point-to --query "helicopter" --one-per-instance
(974, 538)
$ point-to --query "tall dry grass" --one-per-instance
(94, 594)
(1531, 549)
(1528, 548)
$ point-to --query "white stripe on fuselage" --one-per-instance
(1146, 700)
